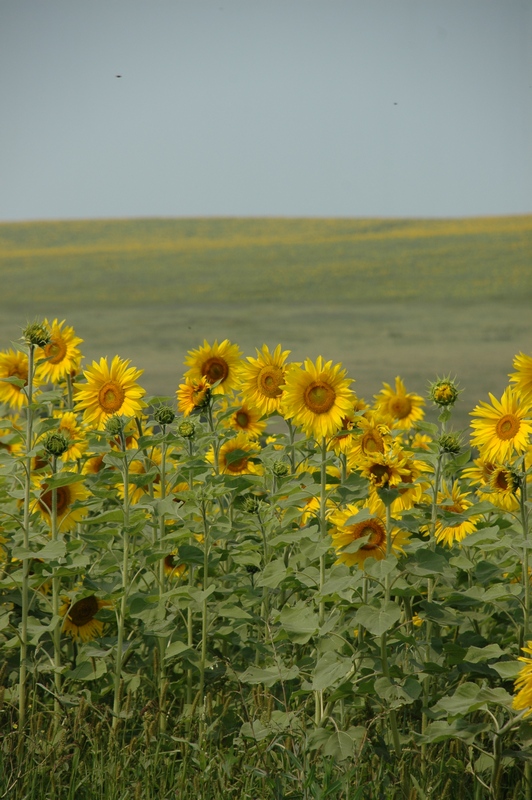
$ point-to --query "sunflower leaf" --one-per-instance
(377, 620)
(63, 479)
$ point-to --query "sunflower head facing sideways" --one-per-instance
(80, 620)
(262, 378)
(405, 408)
(68, 513)
(317, 397)
(193, 396)
(14, 364)
(522, 377)
(109, 391)
(61, 355)
(234, 457)
(373, 527)
(217, 363)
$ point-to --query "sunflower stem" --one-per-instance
(125, 580)
(56, 633)
(524, 570)
(265, 606)
(23, 670)
(70, 399)
(292, 449)
(162, 640)
(323, 523)
(384, 639)
(203, 657)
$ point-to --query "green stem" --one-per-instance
(69, 393)
(56, 633)
(125, 584)
(323, 522)
(384, 638)
(265, 607)
(203, 656)
(292, 450)
(525, 575)
(162, 640)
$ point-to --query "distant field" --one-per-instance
(414, 297)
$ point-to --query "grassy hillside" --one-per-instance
(266, 260)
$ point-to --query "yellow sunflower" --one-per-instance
(317, 397)
(193, 395)
(67, 515)
(262, 380)
(237, 465)
(172, 567)
(457, 502)
(10, 442)
(344, 533)
(247, 419)
(94, 465)
(373, 436)
(69, 426)
(109, 391)
(219, 362)
(62, 353)
(502, 428)
(80, 618)
(405, 409)
(384, 470)
(14, 364)
(141, 466)
(523, 377)
(411, 488)
(523, 684)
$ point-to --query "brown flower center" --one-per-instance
(500, 481)
(507, 427)
(238, 466)
(111, 397)
(270, 380)
(63, 499)
(84, 611)
(372, 442)
(319, 397)
(242, 419)
(55, 351)
(372, 528)
(401, 407)
(215, 369)
(380, 474)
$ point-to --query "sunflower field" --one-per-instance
(261, 586)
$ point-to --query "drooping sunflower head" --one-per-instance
(262, 379)
(193, 396)
(523, 376)
(234, 457)
(218, 364)
(404, 408)
(61, 355)
(372, 528)
(110, 390)
(70, 508)
(14, 364)
(317, 397)
(502, 428)
(80, 618)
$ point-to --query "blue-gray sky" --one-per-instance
(265, 107)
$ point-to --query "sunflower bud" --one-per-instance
(280, 469)
(114, 425)
(164, 415)
(444, 392)
(36, 334)
(450, 443)
(251, 504)
(187, 429)
(55, 444)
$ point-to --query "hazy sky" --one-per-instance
(265, 107)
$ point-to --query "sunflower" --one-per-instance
(238, 464)
(384, 470)
(62, 353)
(67, 516)
(501, 427)
(405, 409)
(523, 684)
(262, 380)
(217, 363)
(193, 395)
(344, 533)
(139, 467)
(94, 465)
(70, 427)
(411, 488)
(317, 397)
(523, 377)
(109, 391)
(14, 364)
(10, 442)
(80, 618)
(248, 420)
(373, 436)
(456, 502)
(172, 567)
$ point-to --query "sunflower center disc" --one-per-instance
(83, 611)
(501, 482)
(401, 407)
(242, 419)
(238, 466)
(63, 500)
(372, 443)
(507, 427)
(55, 351)
(270, 380)
(374, 530)
(215, 369)
(111, 396)
(319, 397)
(380, 473)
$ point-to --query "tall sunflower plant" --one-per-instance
(363, 568)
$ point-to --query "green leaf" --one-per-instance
(377, 620)
(329, 669)
(175, 649)
(380, 569)
(255, 730)
(273, 574)
(52, 551)
(339, 745)
(470, 697)
(233, 612)
(476, 654)
(63, 479)
(300, 621)
(269, 675)
(116, 515)
(508, 670)
(88, 670)
(426, 562)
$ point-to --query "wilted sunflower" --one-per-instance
(502, 428)
(67, 516)
(231, 462)
(61, 353)
(80, 618)
(14, 364)
(219, 362)
(262, 380)
(344, 533)
(317, 397)
(523, 377)
(109, 391)
(405, 409)
(246, 419)
(455, 502)
(523, 684)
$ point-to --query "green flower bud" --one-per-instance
(450, 443)
(37, 334)
(280, 469)
(444, 392)
(187, 429)
(114, 425)
(55, 443)
(251, 504)
(164, 415)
